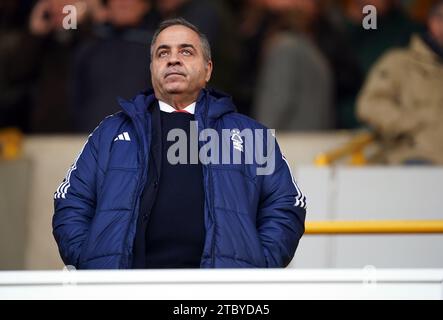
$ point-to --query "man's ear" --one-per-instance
(209, 67)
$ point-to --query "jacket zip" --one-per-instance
(142, 182)
(210, 192)
(213, 217)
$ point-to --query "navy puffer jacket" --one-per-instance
(252, 221)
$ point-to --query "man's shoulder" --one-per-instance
(240, 121)
(110, 125)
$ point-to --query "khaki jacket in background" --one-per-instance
(402, 101)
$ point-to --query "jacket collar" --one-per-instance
(211, 104)
(137, 105)
(170, 109)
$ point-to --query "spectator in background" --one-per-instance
(252, 19)
(33, 66)
(403, 98)
(115, 63)
(351, 63)
(327, 32)
(295, 88)
(49, 55)
(394, 29)
(14, 92)
(213, 19)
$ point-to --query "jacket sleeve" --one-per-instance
(74, 203)
(281, 215)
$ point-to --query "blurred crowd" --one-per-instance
(296, 65)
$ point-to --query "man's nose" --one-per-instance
(174, 60)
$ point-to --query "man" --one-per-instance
(213, 19)
(125, 204)
(403, 98)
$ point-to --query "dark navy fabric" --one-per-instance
(251, 221)
(175, 231)
(150, 191)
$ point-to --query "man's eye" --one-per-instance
(186, 52)
(162, 54)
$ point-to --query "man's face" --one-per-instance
(178, 66)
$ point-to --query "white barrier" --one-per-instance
(371, 193)
(285, 284)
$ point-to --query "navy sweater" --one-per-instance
(170, 231)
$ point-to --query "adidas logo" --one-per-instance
(123, 136)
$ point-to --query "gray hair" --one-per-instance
(182, 22)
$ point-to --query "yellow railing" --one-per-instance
(353, 148)
(375, 227)
(10, 143)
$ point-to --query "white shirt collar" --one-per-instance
(169, 109)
